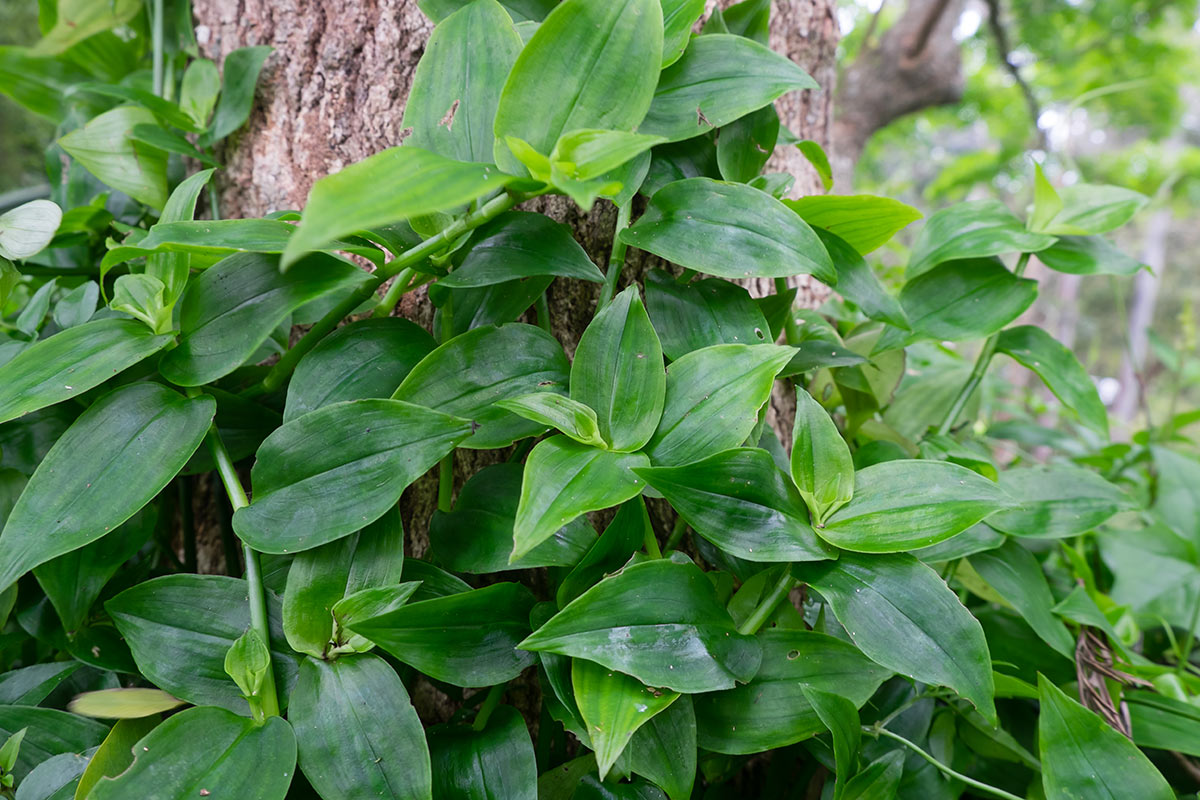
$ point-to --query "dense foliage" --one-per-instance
(919, 600)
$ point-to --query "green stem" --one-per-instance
(677, 533)
(394, 293)
(983, 787)
(254, 580)
(445, 482)
(650, 541)
(1185, 652)
(616, 261)
(409, 258)
(982, 361)
(156, 38)
(768, 604)
(791, 330)
(488, 706)
(543, 313)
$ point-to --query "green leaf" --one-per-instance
(730, 230)
(588, 154)
(1178, 498)
(816, 157)
(29, 686)
(72, 362)
(1046, 202)
(141, 297)
(466, 639)
(879, 781)
(840, 715)
(374, 602)
(618, 372)
(104, 147)
(76, 20)
(905, 504)
(240, 75)
(320, 577)
(563, 480)
(859, 284)
(115, 754)
(972, 230)
(496, 762)
(77, 306)
(744, 145)
(1059, 369)
(712, 311)
(477, 536)
(48, 732)
(1090, 208)
(658, 621)
(517, 245)
(332, 471)
(199, 89)
(53, 779)
(678, 18)
(595, 51)
(112, 461)
(719, 78)
(495, 304)
(41, 85)
(863, 221)
(529, 11)
(365, 359)
(132, 703)
(1088, 255)
(965, 299)
(391, 186)
(1057, 501)
(179, 628)
(713, 399)
(34, 312)
(456, 88)
(1163, 722)
(569, 416)
(664, 749)
(591, 788)
(357, 731)
(156, 136)
(620, 539)
(741, 502)
(902, 616)
(773, 710)
(613, 706)
(1013, 572)
(822, 467)
(231, 309)
(208, 747)
(468, 374)
(27, 229)
(1083, 757)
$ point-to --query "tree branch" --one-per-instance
(1001, 36)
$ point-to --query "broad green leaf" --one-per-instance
(29, 686)
(972, 230)
(517, 245)
(840, 715)
(1013, 572)
(859, 284)
(528, 11)
(358, 733)
(1057, 501)
(208, 747)
(365, 359)
(330, 472)
(115, 754)
(965, 299)
(713, 399)
(730, 230)
(72, 362)
(466, 639)
(468, 374)
(238, 79)
(863, 221)
(1163, 722)
(741, 502)
(230, 310)
(76, 20)
(112, 461)
(157, 136)
(712, 311)
(1046, 202)
(618, 372)
(452, 104)
(1088, 255)
(53, 779)
(77, 306)
(773, 710)
(595, 52)
(591, 788)
(880, 780)
(659, 621)
(391, 186)
(48, 732)
(28, 228)
(242, 423)
(179, 628)
(104, 148)
(41, 85)
(692, 158)
(902, 616)
(374, 602)
(477, 307)
(718, 79)
(613, 706)
(563, 480)
(559, 411)
(664, 749)
(1082, 757)
(975, 539)
(496, 762)
(822, 467)
(1059, 369)
(199, 89)
(141, 297)
(678, 18)
(477, 536)
(588, 154)
(816, 157)
(620, 539)
(131, 703)
(1090, 208)
(744, 145)
(320, 577)
(1178, 498)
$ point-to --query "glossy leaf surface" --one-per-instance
(971, 230)
(520, 244)
(863, 221)
(1059, 369)
(496, 762)
(1057, 501)
(712, 311)
(613, 707)
(822, 467)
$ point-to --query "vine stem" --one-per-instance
(616, 261)
(982, 362)
(768, 604)
(677, 532)
(394, 293)
(983, 787)
(254, 580)
(488, 706)
(408, 259)
(156, 38)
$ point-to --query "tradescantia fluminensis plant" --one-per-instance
(884, 607)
